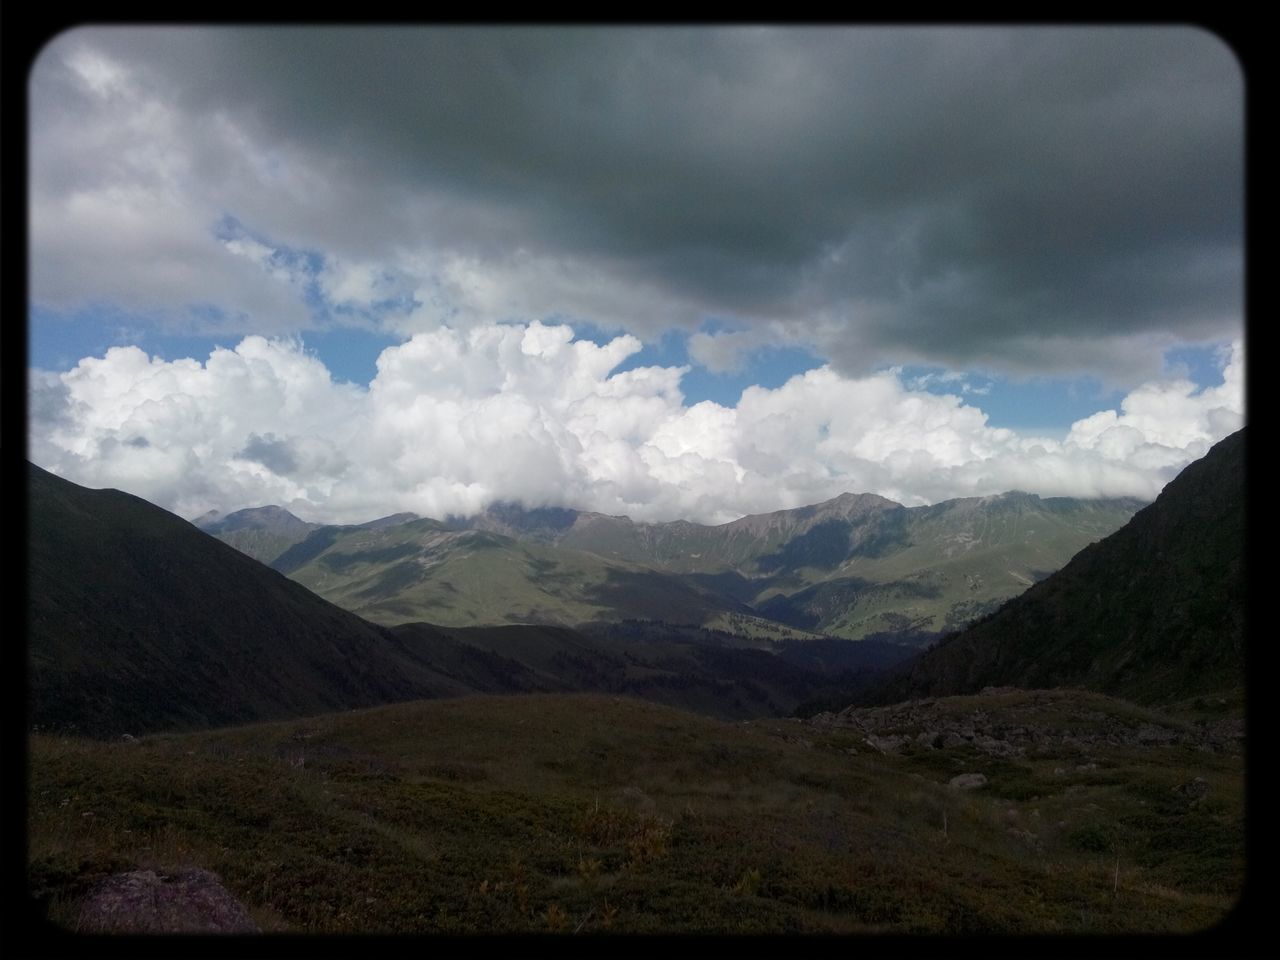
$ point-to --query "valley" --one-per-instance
(664, 482)
(856, 566)
(198, 714)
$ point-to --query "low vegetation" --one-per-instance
(595, 814)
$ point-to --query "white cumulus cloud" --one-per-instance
(459, 417)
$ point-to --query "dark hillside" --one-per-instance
(1153, 613)
(137, 621)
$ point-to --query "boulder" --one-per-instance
(1149, 734)
(999, 748)
(1194, 790)
(143, 901)
(892, 744)
(968, 781)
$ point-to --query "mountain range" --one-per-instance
(856, 566)
(137, 622)
(1004, 810)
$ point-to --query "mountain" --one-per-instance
(751, 545)
(915, 573)
(1153, 613)
(139, 622)
(265, 533)
(424, 570)
(857, 566)
(541, 524)
(261, 532)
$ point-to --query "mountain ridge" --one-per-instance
(1154, 612)
(856, 565)
(139, 622)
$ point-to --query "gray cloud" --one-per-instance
(1006, 198)
(273, 453)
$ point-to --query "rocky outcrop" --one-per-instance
(1011, 723)
(143, 901)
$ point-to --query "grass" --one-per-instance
(594, 814)
(949, 564)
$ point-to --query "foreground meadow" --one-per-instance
(589, 814)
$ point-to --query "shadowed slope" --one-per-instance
(139, 622)
(1155, 612)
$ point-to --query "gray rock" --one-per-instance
(142, 901)
(1149, 733)
(1026, 836)
(893, 744)
(1194, 790)
(998, 748)
(636, 800)
(968, 781)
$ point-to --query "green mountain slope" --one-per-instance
(857, 566)
(423, 570)
(261, 532)
(140, 622)
(1155, 612)
(925, 570)
(752, 545)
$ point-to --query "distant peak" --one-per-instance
(847, 502)
(269, 516)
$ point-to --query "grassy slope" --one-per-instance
(140, 622)
(263, 545)
(137, 621)
(1154, 612)
(950, 563)
(854, 567)
(421, 571)
(261, 532)
(674, 666)
(597, 814)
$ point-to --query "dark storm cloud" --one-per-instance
(960, 195)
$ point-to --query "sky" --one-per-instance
(666, 272)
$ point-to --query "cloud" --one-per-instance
(1159, 422)
(1019, 199)
(274, 454)
(120, 210)
(726, 351)
(207, 426)
(458, 418)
